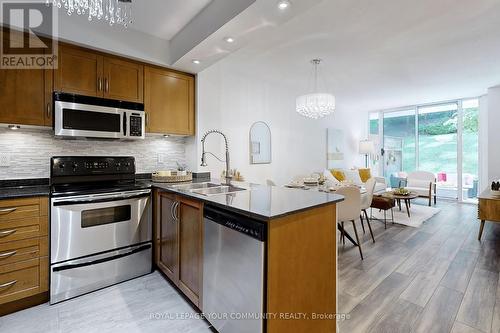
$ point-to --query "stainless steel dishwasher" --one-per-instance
(233, 271)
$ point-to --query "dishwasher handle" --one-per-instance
(237, 222)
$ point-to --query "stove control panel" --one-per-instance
(89, 166)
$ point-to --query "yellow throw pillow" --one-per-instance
(364, 174)
(338, 174)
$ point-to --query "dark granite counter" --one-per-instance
(10, 189)
(260, 201)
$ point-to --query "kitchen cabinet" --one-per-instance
(179, 242)
(23, 253)
(90, 73)
(168, 101)
(25, 95)
(79, 72)
(123, 80)
(168, 256)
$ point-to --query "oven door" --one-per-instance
(83, 120)
(85, 225)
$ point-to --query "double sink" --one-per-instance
(208, 189)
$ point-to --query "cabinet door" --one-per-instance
(123, 80)
(79, 72)
(168, 260)
(190, 247)
(25, 95)
(169, 102)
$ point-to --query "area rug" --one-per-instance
(419, 214)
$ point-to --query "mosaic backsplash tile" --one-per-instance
(30, 151)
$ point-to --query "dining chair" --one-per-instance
(350, 210)
(366, 202)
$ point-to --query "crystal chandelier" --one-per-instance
(113, 11)
(316, 104)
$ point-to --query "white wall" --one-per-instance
(493, 135)
(126, 42)
(236, 92)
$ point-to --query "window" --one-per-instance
(441, 138)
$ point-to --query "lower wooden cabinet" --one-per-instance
(178, 242)
(24, 263)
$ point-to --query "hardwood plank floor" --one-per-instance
(479, 301)
(436, 278)
(439, 315)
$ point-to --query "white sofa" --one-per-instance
(423, 183)
(352, 176)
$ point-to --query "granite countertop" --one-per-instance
(260, 201)
(10, 189)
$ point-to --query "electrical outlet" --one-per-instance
(161, 158)
(4, 160)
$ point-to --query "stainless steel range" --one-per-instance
(100, 224)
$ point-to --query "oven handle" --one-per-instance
(98, 200)
(99, 261)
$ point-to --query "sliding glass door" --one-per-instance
(399, 152)
(437, 146)
(439, 138)
(470, 149)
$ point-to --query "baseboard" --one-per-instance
(24, 303)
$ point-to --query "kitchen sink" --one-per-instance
(193, 186)
(221, 189)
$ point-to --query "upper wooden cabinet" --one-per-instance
(168, 101)
(123, 80)
(25, 96)
(79, 72)
(93, 74)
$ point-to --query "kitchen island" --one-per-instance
(299, 291)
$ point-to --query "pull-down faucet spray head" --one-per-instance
(203, 153)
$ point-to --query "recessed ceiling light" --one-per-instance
(166, 135)
(284, 4)
(229, 39)
(14, 127)
(197, 62)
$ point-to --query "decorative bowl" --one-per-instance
(400, 191)
(495, 193)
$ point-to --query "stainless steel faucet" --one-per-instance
(203, 153)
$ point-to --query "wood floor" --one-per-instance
(436, 278)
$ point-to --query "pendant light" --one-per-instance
(316, 104)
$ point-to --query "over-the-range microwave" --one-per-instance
(93, 117)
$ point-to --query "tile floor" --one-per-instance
(145, 304)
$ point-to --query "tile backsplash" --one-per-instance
(28, 151)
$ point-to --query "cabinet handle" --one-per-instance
(176, 211)
(172, 210)
(7, 211)
(99, 84)
(8, 284)
(7, 233)
(106, 85)
(6, 255)
(47, 110)
(147, 119)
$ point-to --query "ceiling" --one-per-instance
(164, 18)
(384, 54)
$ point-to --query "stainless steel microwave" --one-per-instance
(93, 117)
